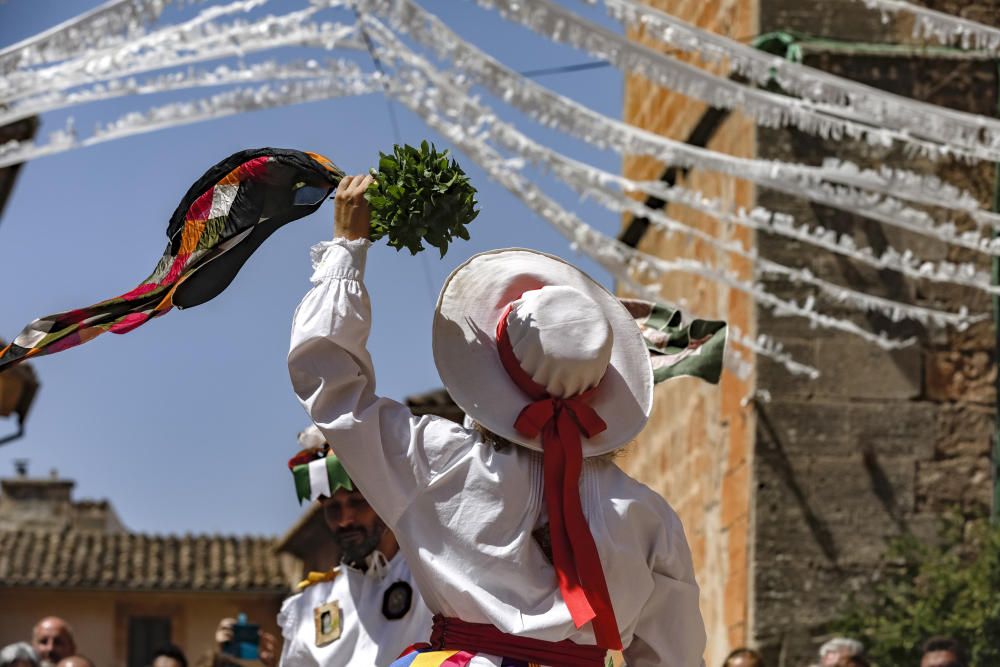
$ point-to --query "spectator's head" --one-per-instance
(853, 661)
(943, 652)
(52, 639)
(743, 657)
(18, 655)
(75, 661)
(832, 651)
(169, 656)
(356, 528)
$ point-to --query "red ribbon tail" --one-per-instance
(562, 422)
(586, 558)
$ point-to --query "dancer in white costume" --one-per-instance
(524, 558)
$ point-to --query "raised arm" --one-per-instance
(382, 445)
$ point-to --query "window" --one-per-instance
(145, 635)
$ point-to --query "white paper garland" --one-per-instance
(862, 102)
(476, 114)
(927, 190)
(974, 136)
(222, 75)
(894, 310)
(196, 40)
(239, 100)
(585, 179)
(837, 184)
(945, 28)
(421, 96)
(113, 21)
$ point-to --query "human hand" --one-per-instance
(267, 651)
(224, 632)
(351, 218)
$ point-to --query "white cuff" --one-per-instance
(339, 258)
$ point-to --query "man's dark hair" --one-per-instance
(171, 651)
(949, 644)
(744, 652)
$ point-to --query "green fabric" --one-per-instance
(696, 348)
(301, 475)
(336, 475)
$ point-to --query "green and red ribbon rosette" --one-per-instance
(677, 348)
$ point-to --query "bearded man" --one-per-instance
(367, 611)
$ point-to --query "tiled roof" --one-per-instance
(133, 561)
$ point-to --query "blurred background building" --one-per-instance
(125, 594)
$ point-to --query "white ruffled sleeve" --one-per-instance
(382, 445)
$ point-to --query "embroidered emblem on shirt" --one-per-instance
(396, 601)
(327, 617)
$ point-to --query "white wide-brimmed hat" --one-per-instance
(568, 334)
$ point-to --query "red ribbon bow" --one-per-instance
(561, 422)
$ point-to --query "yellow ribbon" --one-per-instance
(315, 578)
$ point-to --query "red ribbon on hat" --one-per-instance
(561, 422)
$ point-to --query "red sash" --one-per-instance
(453, 634)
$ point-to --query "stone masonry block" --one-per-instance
(803, 428)
(779, 382)
(962, 484)
(854, 368)
(965, 376)
(830, 489)
(812, 537)
(965, 430)
(894, 428)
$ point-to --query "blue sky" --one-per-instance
(186, 423)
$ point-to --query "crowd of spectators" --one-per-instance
(53, 644)
(847, 652)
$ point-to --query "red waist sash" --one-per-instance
(456, 635)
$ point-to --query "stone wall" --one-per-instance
(788, 503)
(696, 449)
(883, 443)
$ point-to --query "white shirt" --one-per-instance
(464, 513)
(367, 636)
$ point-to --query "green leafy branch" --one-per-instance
(420, 195)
